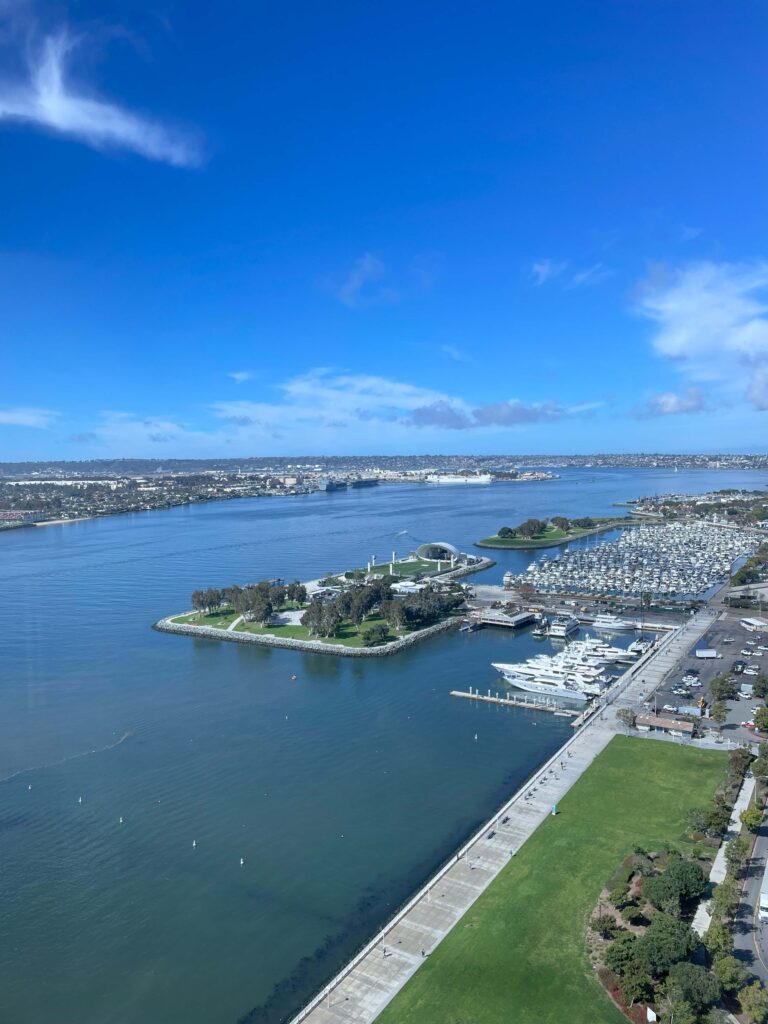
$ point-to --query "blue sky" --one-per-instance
(260, 228)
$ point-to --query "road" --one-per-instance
(751, 934)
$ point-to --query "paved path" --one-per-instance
(234, 624)
(363, 988)
(702, 918)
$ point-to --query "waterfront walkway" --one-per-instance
(359, 993)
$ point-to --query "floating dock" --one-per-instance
(532, 703)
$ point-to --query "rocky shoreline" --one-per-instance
(308, 646)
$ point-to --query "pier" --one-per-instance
(492, 617)
(517, 702)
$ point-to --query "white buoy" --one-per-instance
(475, 736)
(79, 799)
(241, 862)
(29, 787)
(121, 821)
(194, 843)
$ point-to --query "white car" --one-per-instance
(751, 643)
(751, 672)
(668, 707)
(695, 683)
(762, 647)
(729, 640)
(757, 654)
(746, 653)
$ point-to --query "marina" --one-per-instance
(303, 766)
(679, 560)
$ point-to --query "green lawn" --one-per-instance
(519, 956)
(407, 569)
(219, 620)
(550, 537)
(349, 634)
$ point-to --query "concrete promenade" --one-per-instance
(359, 993)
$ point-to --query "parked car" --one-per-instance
(751, 672)
(668, 707)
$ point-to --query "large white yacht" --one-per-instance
(611, 623)
(563, 627)
(560, 689)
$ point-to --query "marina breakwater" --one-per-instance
(167, 625)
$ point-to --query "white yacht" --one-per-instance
(563, 627)
(611, 623)
(558, 689)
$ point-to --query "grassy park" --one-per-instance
(349, 635)
(519, 954)
(551, 536)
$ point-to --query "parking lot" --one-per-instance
(739, 710)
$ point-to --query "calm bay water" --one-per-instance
(341, 791)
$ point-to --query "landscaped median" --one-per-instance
(519, 954)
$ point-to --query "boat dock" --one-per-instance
(492, 617)
(516, 702)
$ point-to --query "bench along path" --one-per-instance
(359, 993)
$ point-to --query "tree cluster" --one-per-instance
(256, 602)
(416, 611)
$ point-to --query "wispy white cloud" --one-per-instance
(545, 269)
(593, 274)
(712, 323)
(241, 376)
(672, 403)
(363, 284)
(26, 416)
(457, 354)
(686, 233)
(47, 100)
(324, 409)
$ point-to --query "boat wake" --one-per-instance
(71, 757)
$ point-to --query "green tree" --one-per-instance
(719, 713)
(621, 953)
(739, 760)
(760, 687)
(754, 1002)
(718, 940)
(736, 853)
(693, 985)
(752, 818)
(689, 878)
(666, 941)
(636, 984)
(604, 925)
(760, 765)
(730, 973)
(330, 620)
(725, 899)
(722, 688)
(761, 719)
(374, 634)
(506, 531)
(717, 819)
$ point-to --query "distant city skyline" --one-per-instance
(396, 230)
